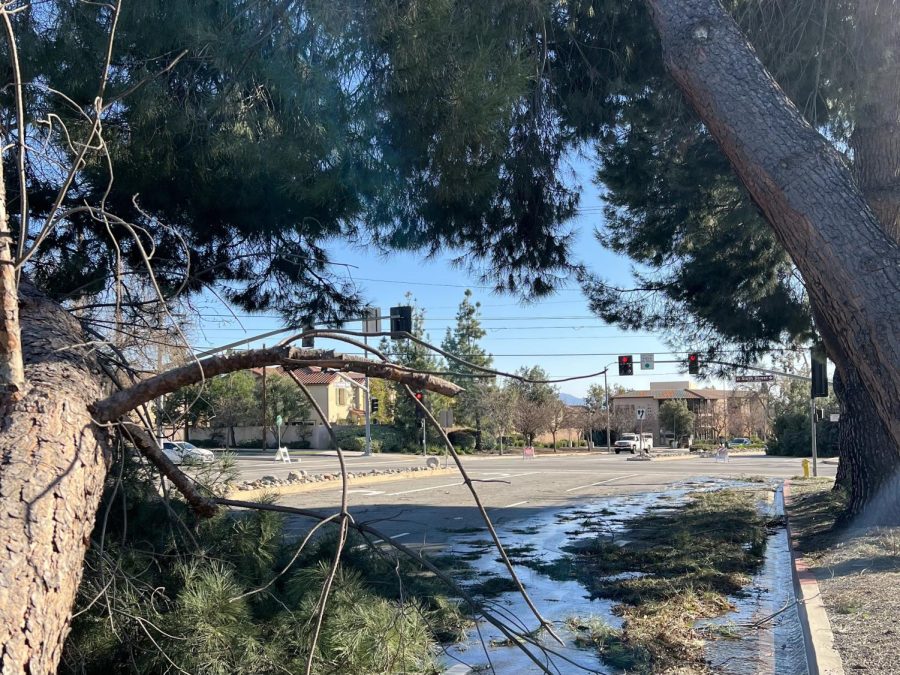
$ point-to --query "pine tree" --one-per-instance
(464, 343)
(412, 355)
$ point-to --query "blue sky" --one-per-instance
(558, 333)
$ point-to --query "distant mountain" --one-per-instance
(568, 399)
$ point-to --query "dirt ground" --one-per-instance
(858, 571)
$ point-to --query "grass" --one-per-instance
(858, 570)
(531, 529)
(693, 557)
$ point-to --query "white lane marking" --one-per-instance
(610, 480)
(381, 541)
(433, 487)
(509, 506)
(367, 493)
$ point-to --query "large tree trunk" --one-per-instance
(870, 464)
(801, 184)
(870, 461)
(876, 129)
(51, 477)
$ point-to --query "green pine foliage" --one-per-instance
(165, 593)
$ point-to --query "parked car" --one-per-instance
(739, 441)
(629, 442)
(182, 452)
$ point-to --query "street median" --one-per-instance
(301, 481)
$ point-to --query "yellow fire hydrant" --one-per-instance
(805, 468)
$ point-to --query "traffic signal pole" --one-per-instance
(367, 399)
(606, 386)
(812, 434)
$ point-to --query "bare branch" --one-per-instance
(144, 442)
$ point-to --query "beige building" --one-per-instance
(341, 401)
(718, 413)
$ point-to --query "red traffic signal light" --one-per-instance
(694, 363)
(626, 365)
(419, 396)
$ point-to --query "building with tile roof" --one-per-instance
(718, 413)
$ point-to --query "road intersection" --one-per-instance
(428, 510)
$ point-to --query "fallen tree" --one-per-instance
(54, 444)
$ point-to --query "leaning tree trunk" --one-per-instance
(801, 184)
(870, 460)
(53, 465)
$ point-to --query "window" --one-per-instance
(342, 396)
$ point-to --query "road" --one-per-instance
(427, 511)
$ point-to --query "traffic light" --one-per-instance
(694, 363)
(819, 362)
(626, 365)
(308, 341)
(420, 397)
(373, 406)
(401, 319)
(820, 414)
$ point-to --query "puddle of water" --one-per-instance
(557, 600)
(776, 648)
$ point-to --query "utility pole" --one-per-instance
(367, 398)
(812, 434)
(264, 444)
(606, 386)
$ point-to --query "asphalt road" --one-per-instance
(431, 510)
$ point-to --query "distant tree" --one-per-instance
(500, 406)
(675, 417)
(387, 400)
(233, 402)
(463, 341)
(283, 397)
(558, 415)
(536, 402)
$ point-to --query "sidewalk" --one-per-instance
(857, 574)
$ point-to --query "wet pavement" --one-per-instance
(757, 641)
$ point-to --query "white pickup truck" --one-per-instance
(632, 443)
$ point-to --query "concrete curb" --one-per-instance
(335, 484)
(821, 655)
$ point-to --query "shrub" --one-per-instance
(302, 444)
(207, 443)
(462, 439)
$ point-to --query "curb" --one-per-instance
(821, 655)
(335, 484)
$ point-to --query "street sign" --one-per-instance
(372, 320)
(834, 417)
(641, 413)
(754, 378)
(308, 341)
(279, 421)
(646, 361)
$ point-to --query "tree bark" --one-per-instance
(875, 140)
(805, 191)
(53, 462)
(12, 373)
(869, 460)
